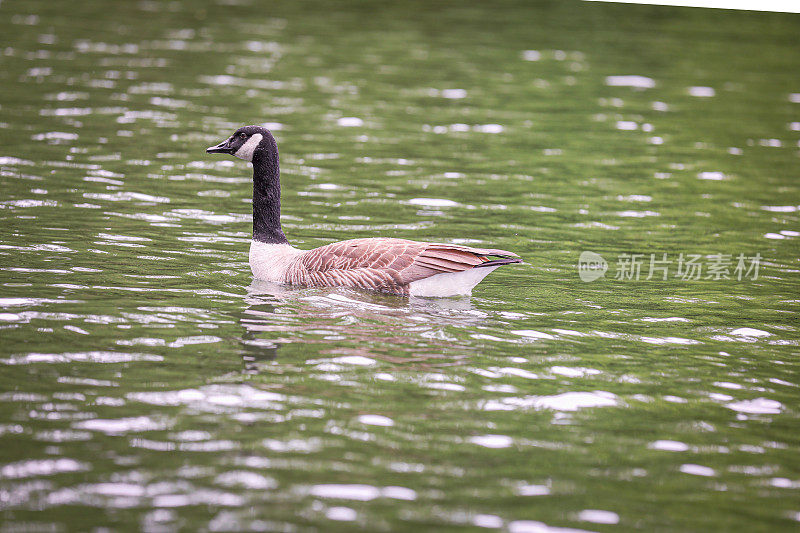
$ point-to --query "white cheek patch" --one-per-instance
(248, 148)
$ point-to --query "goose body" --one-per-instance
(396, 266)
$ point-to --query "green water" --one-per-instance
(146, 382)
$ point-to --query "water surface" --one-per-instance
(148, 382)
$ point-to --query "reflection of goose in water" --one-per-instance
(396, 266)
(255, 349)
(311, 322)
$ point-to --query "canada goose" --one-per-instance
(395, 266)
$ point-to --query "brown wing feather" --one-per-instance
(385, 264)
(476, 251)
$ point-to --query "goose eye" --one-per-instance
(243, 135)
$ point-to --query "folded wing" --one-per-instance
(389, 265)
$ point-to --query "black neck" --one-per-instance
(267, 196)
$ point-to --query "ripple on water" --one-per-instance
(572, 372)
(532, 526)
(531, 55)
(55, 137)
(127, 197)
(495, 372)
(195, 339)
(532, 334)
(487, 520)
(115, 489)
(246, 479)
(433, 202)
(349, 122)
(27, 302)
(757, 406)
(668, 340)
(533, 490)
(8, 160)
(568, 401)
(63, 435)
(120, 426)
(356, 360)
(438, 385)
(569, 332)
(41, 467)
(702, 92)
(669, 445)
(341, 514)
(750, 332)
(488, 128)
(697, 470)
(492, 441)
(361, 492)
(376, 420)
(28, 203)
(666, 319)
(199, 497)
(293, 445)
(79, 357)
(638, 214)
(712, 175)
(598, 516)
(639, 82)
(214, 398)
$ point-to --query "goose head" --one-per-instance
(244, 143)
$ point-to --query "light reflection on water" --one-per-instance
(148, 380)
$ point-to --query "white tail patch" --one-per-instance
(248, 148)
(450, 283)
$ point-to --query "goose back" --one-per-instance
(389, 265)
